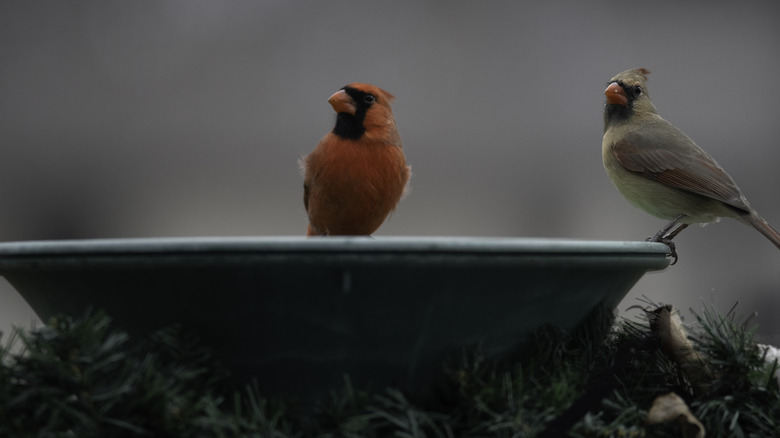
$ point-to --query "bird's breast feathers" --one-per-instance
(353, 168)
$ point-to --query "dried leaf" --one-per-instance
(670, 407)
(667, 324)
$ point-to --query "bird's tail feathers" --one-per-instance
(762, 226)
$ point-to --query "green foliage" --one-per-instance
(81, 378)
(744, 399)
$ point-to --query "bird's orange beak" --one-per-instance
(342, 102)
(616, 95)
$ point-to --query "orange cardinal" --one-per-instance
(357, 174)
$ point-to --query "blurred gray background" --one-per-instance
(186, 118)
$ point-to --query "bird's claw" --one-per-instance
(668, 242)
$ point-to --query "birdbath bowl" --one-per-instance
(298, 313)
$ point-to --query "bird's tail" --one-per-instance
(762, 226)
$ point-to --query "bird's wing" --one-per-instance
(690, 169)
(306, 197)
(306, 181)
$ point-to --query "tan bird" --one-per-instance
(660, 170)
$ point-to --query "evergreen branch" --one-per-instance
(80, 377)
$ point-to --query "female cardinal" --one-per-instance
(660, 170)
(358, 173)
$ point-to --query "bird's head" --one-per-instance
(360, 107)
(627, 95)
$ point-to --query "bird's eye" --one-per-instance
(637, 89)
(369, 98)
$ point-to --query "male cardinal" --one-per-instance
(357, 173)
(660, 170)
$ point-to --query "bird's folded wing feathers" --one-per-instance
(694, 172)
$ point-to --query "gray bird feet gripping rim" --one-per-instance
(667, 233)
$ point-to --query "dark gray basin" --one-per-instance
(298, 313)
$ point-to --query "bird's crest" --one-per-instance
(642, 72)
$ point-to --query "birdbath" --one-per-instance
(298, 313)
